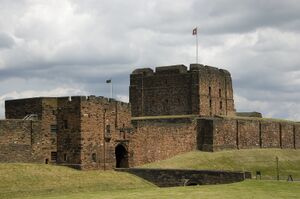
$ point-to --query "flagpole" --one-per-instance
(111, 89)
(109, 81)
(197, 45)
(195, 32)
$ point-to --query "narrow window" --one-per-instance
(65, 157)
(107, 135)
(108, 129)
(65, 124)
(53, 128)
(53, 141)
(53, 156)
(124, 135)
(94, 157)
(210, 103)
(220, 104)
(220, 93)
(209, 91)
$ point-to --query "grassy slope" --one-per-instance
(46, 181)
(263, 160)
(245, 190)
(38, 179)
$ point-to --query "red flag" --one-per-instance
(195, 31)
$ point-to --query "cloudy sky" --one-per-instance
(70, 47)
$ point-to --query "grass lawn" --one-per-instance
(253, 160)
(244, 190)
(20, 180)
(57, 182)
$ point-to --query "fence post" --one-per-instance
(277, 167)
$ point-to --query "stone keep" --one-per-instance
(174, 90)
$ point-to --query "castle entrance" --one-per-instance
(121, 156)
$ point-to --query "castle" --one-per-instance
(172, 110)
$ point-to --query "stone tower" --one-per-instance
(175, 90)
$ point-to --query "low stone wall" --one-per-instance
(182, 177)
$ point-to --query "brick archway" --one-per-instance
(121, 156)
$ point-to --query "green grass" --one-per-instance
(38, 179)
(259, 119)
(244, 190)
(253, 160)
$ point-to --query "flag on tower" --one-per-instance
(108, 81)
(195, 31)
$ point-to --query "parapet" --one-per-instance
(94, 98)
(174, 69)
(143, 71)
(179, 69)
(161, 70)
(249, 114)
(206, 68)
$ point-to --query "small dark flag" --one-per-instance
(108, 81)
(195, 31)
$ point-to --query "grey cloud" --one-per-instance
(6, 41)
(243, 16)
(79, 44)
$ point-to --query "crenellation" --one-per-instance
(175, 69)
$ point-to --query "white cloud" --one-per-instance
(79, 44)
(123, 98)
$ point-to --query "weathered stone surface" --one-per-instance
(174, 90)
(230, 133)
(95, 126)
(20, 141)
(45, 108)
(158, 139)
(182, 177)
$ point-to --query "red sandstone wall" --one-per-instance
(68, 133)
(155, 140)
(215, 85)
(297, 136)
(97, 113)
(87, 142)
(287, 135)
(45, 108)
(174, 90)
(225, 134)
(48, 118)
(165, 92)
(250, 133)
(205, 134)
(18, 109)
(270, 134)
(19, 140)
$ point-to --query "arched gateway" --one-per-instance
(121, 156)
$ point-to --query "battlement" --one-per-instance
(175, 69)
(179, 69)
(208, 69)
